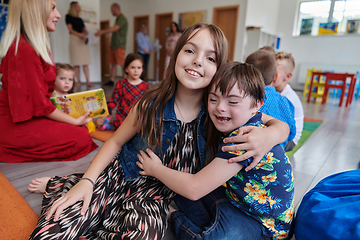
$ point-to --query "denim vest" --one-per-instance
(128, 153)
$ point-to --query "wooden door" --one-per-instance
(162, 25)
(138, 20)
(104, 49)
(226, 18)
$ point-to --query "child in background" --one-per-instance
(274, 105)
(112, 200)
(285, 65)
(268, 48)
(126, 92)
(64, 81)
(265, 193)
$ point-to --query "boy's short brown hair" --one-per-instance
(285, 55)
(268, 48)
(265, 62)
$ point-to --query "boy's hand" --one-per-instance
(254, 140)
(149, 162)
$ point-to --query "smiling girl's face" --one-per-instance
(196, 64)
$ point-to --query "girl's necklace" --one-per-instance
(181, 115)
(190, 137)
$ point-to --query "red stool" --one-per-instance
(339, 77)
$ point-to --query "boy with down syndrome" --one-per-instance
(263, 196)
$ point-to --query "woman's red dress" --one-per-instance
(25, 134)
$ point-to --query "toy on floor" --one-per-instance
(107, 124)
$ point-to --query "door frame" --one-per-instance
(157, 35)
(137, 21)
(215, 17)
(104, 49)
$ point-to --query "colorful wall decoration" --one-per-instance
(190, 18)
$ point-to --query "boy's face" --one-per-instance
(64, 81)
(231, 111)
(282, 69)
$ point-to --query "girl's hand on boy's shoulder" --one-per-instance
(253, 140)
(149, 162)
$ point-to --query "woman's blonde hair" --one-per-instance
(72, 10)
(28, 18)
(150, 108)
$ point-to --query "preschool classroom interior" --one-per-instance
(333, 147)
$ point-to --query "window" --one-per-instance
(328, 17)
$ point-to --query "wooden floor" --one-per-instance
(332, 148)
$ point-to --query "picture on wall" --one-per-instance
(306, 26)
(353, 26)
(3, 18)
(328, 28)
(190, 18)
(88, 15)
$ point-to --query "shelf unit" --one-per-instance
(256, 38)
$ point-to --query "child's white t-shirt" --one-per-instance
(290, 94)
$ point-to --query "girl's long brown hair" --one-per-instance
(152, 104)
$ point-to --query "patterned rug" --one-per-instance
(310, 125)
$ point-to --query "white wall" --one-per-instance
(331, 50)
(262, 13)
(274, 16)
(153, 7)
(60, 39)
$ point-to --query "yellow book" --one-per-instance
(77, 104)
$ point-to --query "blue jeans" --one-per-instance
(214, 217)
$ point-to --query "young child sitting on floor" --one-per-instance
(285, 65)
(64, 81)
(126, 92)
(264, 194)
(275, 105)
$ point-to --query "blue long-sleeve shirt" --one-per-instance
(281, 108)
(143, 42)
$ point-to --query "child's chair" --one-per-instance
(308, 80)
(338, 81)
(317, 85)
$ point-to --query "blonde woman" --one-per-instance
(32, 128)
(79, 50)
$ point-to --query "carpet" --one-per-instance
(101, 135)
(310, 125)
(18, 220)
